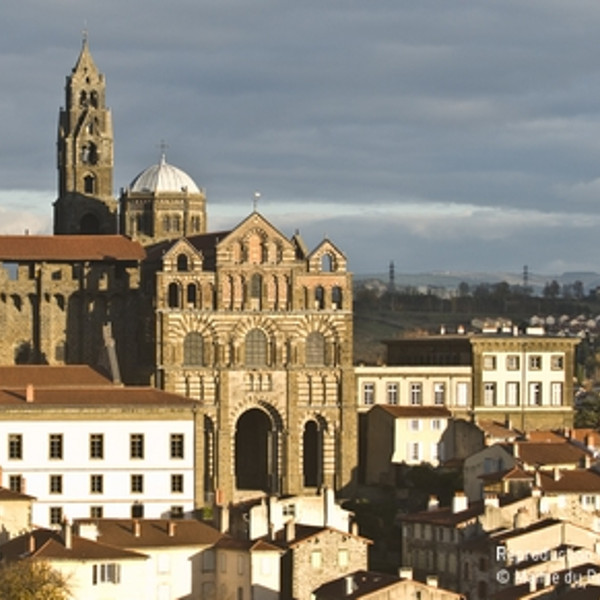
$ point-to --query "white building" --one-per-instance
(96, 450)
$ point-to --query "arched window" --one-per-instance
(89, 184)
(256, 286)
(256, 348)
(83, 98)
(319, 297)
(327, 263)
(166, 223)
(193, 349)
(173, 295)
(182, 262)
(336, 296)
(94, 99)
(191, 294)
(315, 349)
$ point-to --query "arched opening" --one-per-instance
(193, 349)
(173, 294)
(319, 297)
(315, 349)
(327, 263)
(89, 184)
(182, 262)
(89, 224)
(336, 296)
(311, 457)
(256, 348)
(191, 294)
(255, 454)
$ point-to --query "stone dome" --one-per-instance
(163, 177)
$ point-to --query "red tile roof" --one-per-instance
(49, 545)
(571, 480)
(69, 248)
(153, 533)
(11, 398)
(550, 453)
(413, 412)
(50, 376)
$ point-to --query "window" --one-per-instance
(56, 515)
(208, 561)
(137, 484)
(489, 362)
(414, 425)
(240, 564)
(137, 510)
(256, 348)
(436, 424)
(414, 451)
(535, 393)
(176, 445)
(556, 391)
(368, 393)
(55, 484)
(392, 393)
(136, 445)
(96, 512)
(342, 557)
(489, 393)
(315, 349)
(96, 445)
(557, 362)
(182, 262)
(106, 573)
(96, 484)
(535, 363)
(439, 393)
(193, 349)
(416, 394)
(15, 483)
(512, 393)
(177, 484)
(55, 445)
(89, 184)
(462, 393)
(15, 446)
(513, 362)
(316, 559)
(177, 512)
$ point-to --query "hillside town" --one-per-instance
(183, 415)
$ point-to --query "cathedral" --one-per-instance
(252, 325)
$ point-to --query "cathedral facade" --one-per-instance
(251, 324)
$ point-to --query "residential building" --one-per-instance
(408, 435)
(15, 513)
(85, 447)
(382, 586)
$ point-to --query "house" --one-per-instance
(369, 585)
(15, 513)
(403, 434)
(107, 450)
(94, 571)
(181, 558)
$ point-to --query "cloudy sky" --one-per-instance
(445, 136)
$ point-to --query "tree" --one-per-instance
(552, 290)
(32, 580)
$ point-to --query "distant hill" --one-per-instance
(451, 280)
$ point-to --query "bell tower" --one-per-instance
(85, 203)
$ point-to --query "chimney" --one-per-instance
(491, 500)
(349, 581)
(67, 533)
(137, 528)
(507, 422)
(223, 519)
(556, 473)
(460, 502)
(461, 330)
(290, 531)
(405, 573)
(329, 506)
(433, 503)
(432, 581)
(354, 528)
(31, 543)
(29, 393)
(515, 448)
(171, 528)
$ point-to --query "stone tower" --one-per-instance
(85, 201)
